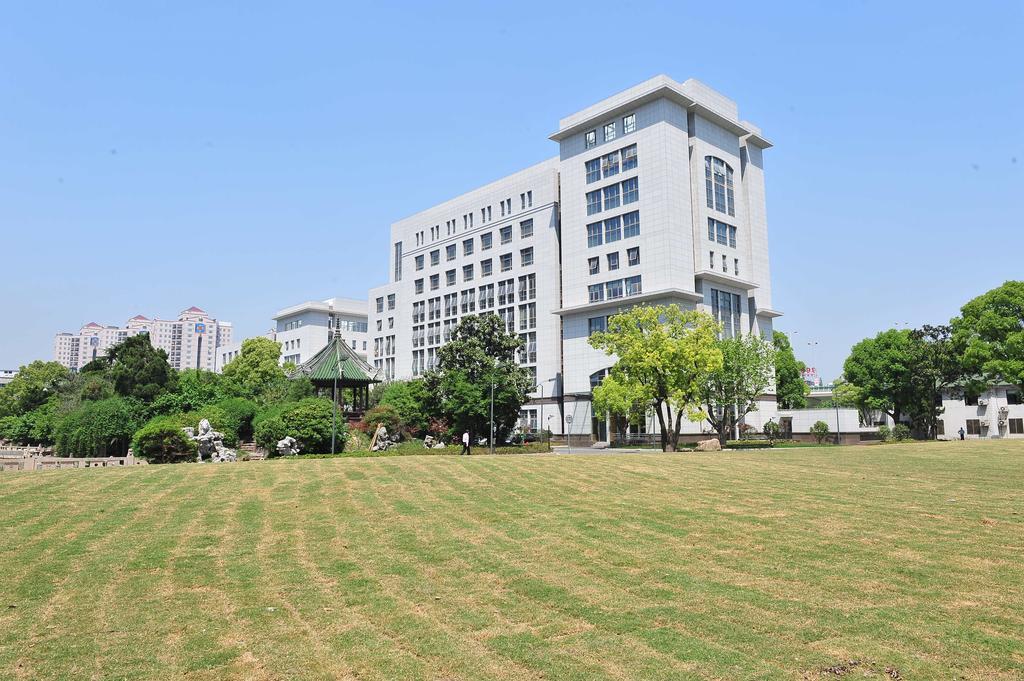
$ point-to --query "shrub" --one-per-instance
(885, 432)
(162, 440)
(102, 428)
(900, 432)
(12, 429)
(239, 414)
(820, 431)
(268, 431)
(383, 413)
(309, 421)
(771, 431)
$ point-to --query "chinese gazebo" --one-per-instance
(339, 372)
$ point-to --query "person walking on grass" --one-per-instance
(465, 444)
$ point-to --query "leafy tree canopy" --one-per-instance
(790, 388)
(731, 391)
(989, 334)
(409, 400)
(139, 370)
(102, 428)
(256, 371)
(480, 352)
(32, 386)
(880, 368)
(665, 357)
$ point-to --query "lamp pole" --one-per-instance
(334, 395)
(492, 417)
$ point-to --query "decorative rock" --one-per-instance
(712, 445)
(288, 446)
(600, 445)
(211, 444)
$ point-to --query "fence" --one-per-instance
(32, 460)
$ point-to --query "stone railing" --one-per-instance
(31, 460)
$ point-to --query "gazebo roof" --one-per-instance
(337, 361)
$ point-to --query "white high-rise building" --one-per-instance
(190, 340)
(657, 196)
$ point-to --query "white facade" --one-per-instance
(7, 375)
(656, 196)
(995, 413)
(190, 340)
(304, 329)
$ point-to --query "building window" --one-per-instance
(1016, 426)
(973, 427)
(467, 273)
(596, 292)
(525, 229)
(631, 224)
(529, 198)
(419, 262)
(593, 170)
(528, 287)
(1013, 397)
(597, 325)
(506, 234)
(594, 234)
(613, 289)
(613, 261)
(419, 286)
(736, 266)
(526, 256)
(435, 257)
(380, 307)
(486, 241)
(718, 185)
(628, 124)
(611, 197)
(591, 139)
(506, 262)
(609, 131)
(633, 256)
(594, 265)
(629, 158)
(630, 190)
(610, 164)
(467, 247)
(486, 267)
(633, 286)
(449, 278)
(594, 202)
(612, 230)
(722, 233)
(435, 281)
(725, 308)
(449, 252)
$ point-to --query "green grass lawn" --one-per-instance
(733, 565)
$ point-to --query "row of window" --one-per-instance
(617, 288)
(610, 130)
(608, 165)
(718, 185)
(469, 299)
(620, 193)
(391, 303)
(725, 308)
(486, 215)
(526, 258)
(721, 232)
(611, 230)
(725, 263)
(468, 245)
(632, 259)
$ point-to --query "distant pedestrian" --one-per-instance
(961, 432)
(465, 444)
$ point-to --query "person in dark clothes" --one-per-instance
(961, 432)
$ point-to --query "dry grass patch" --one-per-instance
(800, 563)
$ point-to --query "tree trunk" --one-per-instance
(664, 431)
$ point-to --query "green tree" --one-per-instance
(480, 352)
(162, 440)
(410, 400)
(102, 428)
(790, 388)
(934, 368)
(664, 358)
(989, 334)
(881, 369)
(848, 396)
(731, 391)
(256, 371)
(32, 386)
(195, 389)
(820, 431)
(772, 431)
(139, 370)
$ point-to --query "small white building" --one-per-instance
(305, 329)
(7, 375)
(997, 412)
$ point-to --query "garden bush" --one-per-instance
(162, 440)
(309, 421)
(900, 432)
(885, 432)
(820, 431)
(383, 413)
(102, 428)
(239, 414)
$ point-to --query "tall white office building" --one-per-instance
(657, 196)
(190, 340)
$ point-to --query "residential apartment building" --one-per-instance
(656, 197)
(190, 340)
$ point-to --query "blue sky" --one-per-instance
(249, 156)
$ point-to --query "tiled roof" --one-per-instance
(337, 360)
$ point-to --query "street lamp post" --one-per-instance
(492, 418)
